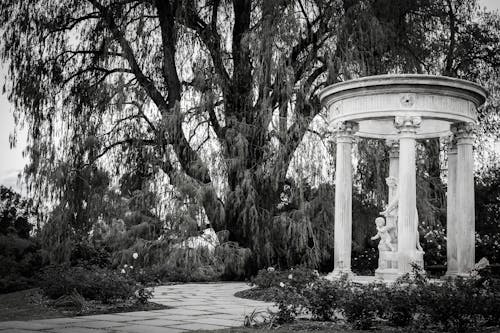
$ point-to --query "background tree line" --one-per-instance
(207, 108)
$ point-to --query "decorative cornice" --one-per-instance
(431, 83)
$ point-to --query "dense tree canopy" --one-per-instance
(218, 96)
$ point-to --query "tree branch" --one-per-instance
(210, 38)
(143, 80)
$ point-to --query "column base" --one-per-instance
(450, 275)
(388, 274)
(406, 260)
(387, 266)
(388, 263)
(337, 274)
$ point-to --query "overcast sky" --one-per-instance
(11, 160)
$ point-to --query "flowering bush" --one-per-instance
(93, 283)
(461, 305)
(298, 277)
(361, 304)
(488, 246)
(434, 244)
(365, 262)
(290, 303)
(324, 298)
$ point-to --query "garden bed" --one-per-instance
(259, 294)
(413, 302)
(31, 304)
(306, 326)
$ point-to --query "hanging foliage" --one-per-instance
(213, 96)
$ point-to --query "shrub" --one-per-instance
(86, 254)
(488, 245)
(362, 304)
(267, 278)
(93, 283)
(459, 305)
(20, 254)
(290, 290)
(365, 262)
(400, 305)
(20, 258)
(324, 298)
(298, 277)
(434, 244)
(290, 303)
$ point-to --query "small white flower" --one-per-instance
(123, 271)
(290, 276)
(125, 266)
(131, 267)
(270, 269)
(135, 255)
(282, 285)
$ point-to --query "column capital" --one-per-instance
(345, 130)
(451, 143)
(393, 148)
(391, 182)
(407, 124)
(463, 132)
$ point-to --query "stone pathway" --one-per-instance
(194, 306)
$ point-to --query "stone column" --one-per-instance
(451, 217)
(407, 225)
(465, 219)
(343, 199)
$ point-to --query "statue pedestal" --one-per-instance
(388, 264)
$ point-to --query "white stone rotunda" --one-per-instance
(402, 109)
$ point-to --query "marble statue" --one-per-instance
(391, 207)
(383, 234)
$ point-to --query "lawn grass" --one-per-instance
(25, 305)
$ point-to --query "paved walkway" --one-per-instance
(194, 306)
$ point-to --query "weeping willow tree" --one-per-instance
(217, 95)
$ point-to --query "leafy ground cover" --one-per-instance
(31, 304)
